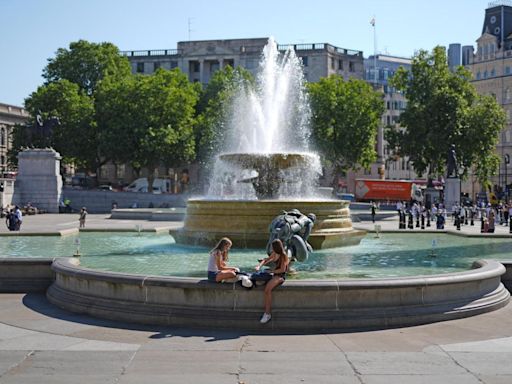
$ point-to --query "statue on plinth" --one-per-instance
(451, 163)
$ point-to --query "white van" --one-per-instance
(141, 185)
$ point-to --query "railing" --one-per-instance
(319, 46)
(152, 52)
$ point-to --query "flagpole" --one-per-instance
(375, 72)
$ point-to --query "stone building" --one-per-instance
(378, 69)
(200, 59)
(9, 116)
(491, 67)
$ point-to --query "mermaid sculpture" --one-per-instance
(293, 229)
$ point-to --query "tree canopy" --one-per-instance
(443, 108)
(346, 115)
(150, 119)
(86, 64)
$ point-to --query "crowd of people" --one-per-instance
(416, 215)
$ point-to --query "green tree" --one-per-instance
(443, 108)
(72, 77)
(75, 135)
(86, 64)
(213, 109)
(345, 118)
(150, 119)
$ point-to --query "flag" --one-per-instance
(372, 21)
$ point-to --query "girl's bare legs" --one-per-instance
(223, 275)
(276, 281)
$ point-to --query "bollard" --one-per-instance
(482, 224)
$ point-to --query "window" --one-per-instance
(120, 171)
(333, 63)
(304, 61)
(478, 75)
(2, 137)
(140, 67)
(340, 65)
(214, 67)
(2, 160)
(388, 118)
(196, 66)
(174, 64)
(388, 105)
(351, 66)
(493, 73)
(485, 74)
(507, 94)
(156, 65)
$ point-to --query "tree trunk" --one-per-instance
(151, 179)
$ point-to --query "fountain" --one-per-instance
(266, 166)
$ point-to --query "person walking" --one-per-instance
(83, 215)
(19, 217)
(373, 210)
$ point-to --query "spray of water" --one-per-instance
(271, 118)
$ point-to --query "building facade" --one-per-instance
(200, 59)
(10, 115)
(491, 67)
(378, 69)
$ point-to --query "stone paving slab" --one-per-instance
(10, 359)
(276, 378)
(420, 379)
(184, 362)
(59, 379)
(404, 363)
(296, 363)
(485, 363)
(178, 378)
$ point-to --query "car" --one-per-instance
(105, 187)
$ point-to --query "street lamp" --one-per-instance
(506, 160)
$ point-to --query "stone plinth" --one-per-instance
(451, 192)
(39, 180)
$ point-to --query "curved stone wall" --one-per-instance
(246, 222)
(297, 305)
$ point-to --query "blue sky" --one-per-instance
(32, 30)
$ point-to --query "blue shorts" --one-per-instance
(212, 276)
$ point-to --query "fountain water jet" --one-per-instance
(266, 166)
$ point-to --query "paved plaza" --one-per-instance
(40, 343)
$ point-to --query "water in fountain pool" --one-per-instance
(391, 255)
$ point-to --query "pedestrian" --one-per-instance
(10, 220)
(19, 217)
(373, 210)
(83, 215)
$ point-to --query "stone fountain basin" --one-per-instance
(309, 306)
(246, 222)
